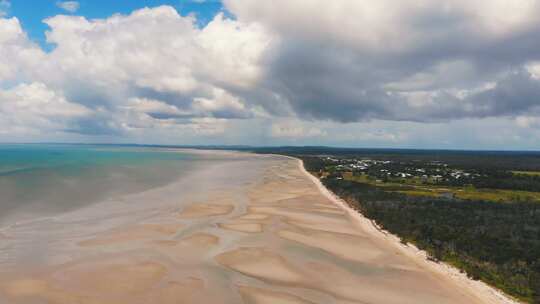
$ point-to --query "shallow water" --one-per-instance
(69, 192)
(39, 180)
(234, 228)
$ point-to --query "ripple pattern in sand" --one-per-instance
(272, 239)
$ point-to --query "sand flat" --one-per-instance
(200, 239)
(312, 250)
(252, 295)
(174, 292)
(243, 227)
(342, 245)
(30, 290)
(261, 263)
(132, 233)
(340, 227)
(204, 210)
(116, 278)
(254, 216)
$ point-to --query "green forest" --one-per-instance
(493, 241)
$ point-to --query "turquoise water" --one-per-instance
(47, 179)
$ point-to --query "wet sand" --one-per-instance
(256, 230)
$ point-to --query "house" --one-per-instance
(447, 195)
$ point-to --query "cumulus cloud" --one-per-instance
(68, 6)
(157, 50)
(18, 55)
(35, 108)
(338, 63)
(352, 61)
(153, 66)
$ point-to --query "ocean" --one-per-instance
(43, 180)
(53, 195)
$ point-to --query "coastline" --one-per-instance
(253, 229)
(14, 220)
(420, 257)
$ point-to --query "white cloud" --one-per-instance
(34, 108)
(387, 25)
(69, 6)
(143, 115)
(295, 130)
(18, 55)
(534, 69)
(152, 55)
(145, 105)
(281, 70)
(157, 49)
(222, 104)
(528, 121)
(233, 51)
(360, 60)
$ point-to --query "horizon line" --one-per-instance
(246, 146)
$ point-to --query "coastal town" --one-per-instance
(386, 170)
(448, 178)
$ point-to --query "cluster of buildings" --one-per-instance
(426, 171)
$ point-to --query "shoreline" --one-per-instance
(256, 229)
(14, 221)
(420, 257)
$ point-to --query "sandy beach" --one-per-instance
(255, 229)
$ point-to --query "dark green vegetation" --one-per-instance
(489, 227)
(497, 243)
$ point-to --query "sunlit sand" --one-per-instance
(243, 227)
(261, 296)
(133, 233)
(272, 239)
(342, 245)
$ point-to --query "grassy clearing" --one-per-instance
(529, 173)
(420, 193)
(464, 193)
(498, 195)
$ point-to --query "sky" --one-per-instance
(447, 74)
